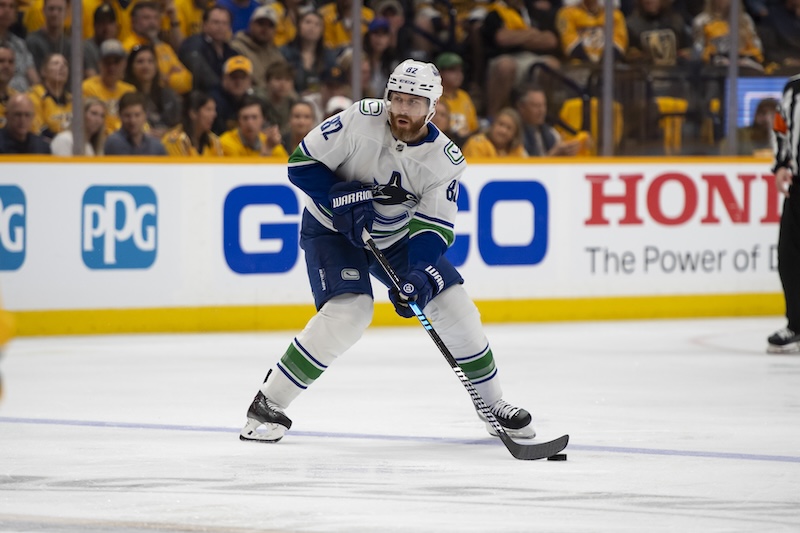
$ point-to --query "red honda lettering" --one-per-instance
(689, 193)
(600, 199)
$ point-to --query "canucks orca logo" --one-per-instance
(393, 192)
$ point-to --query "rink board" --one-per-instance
(148, 245)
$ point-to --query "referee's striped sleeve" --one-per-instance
(787, 128)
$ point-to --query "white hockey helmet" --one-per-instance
(417, 78)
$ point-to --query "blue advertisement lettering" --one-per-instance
(12, 227)
(254, 242)
(494, 254)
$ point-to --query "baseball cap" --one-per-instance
(334, 75)
(105, 13)
(112, 48)
(238, 63)
(378, 24)
(265, 12)
(448, 60)
(337, 103)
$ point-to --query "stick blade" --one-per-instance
(532, 452)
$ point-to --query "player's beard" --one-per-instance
(406, 128)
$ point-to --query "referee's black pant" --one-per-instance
(789, 255)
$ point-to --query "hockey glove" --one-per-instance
(351, 203)
(421, 285)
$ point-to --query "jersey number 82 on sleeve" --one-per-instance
(452, 191)
(331, 126)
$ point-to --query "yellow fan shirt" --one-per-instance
(51, 114)
(233, 146)
(578, 27)
(177, 143)
(94, 87)
(336, 35)
(463, 117)
(479, 145)
(173, 72)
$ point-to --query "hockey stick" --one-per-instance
(520, 451)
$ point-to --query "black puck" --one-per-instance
(558, 457)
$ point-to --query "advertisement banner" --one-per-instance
(100, 235)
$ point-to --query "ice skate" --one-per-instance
(266, 413)
(783, 341)
(515, 420)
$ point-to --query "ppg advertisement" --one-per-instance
(119, 227)
(12, 227)
(154, 235)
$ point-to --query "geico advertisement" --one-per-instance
(102, 235)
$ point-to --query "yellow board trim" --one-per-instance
(294, 317)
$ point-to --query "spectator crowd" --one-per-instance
(251, 78)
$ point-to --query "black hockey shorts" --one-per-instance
(337, 267)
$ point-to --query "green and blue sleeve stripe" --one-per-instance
(311, 176)
(422, 223)
(429, 239)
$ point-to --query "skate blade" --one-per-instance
(789, 348)
(523, 433)
(269, 433)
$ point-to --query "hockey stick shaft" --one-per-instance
(533, 451)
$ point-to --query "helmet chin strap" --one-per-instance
(432, 112)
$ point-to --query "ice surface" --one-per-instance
(682, 426)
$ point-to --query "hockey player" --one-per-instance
(380, 165)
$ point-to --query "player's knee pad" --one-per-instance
(457, 321)
(337, 326)
(349, 314)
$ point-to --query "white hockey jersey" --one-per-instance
(415, 186)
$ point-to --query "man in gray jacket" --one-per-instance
(257, 43)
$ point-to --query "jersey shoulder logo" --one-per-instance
(393, 192)
(453, 153)
(371, 107)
